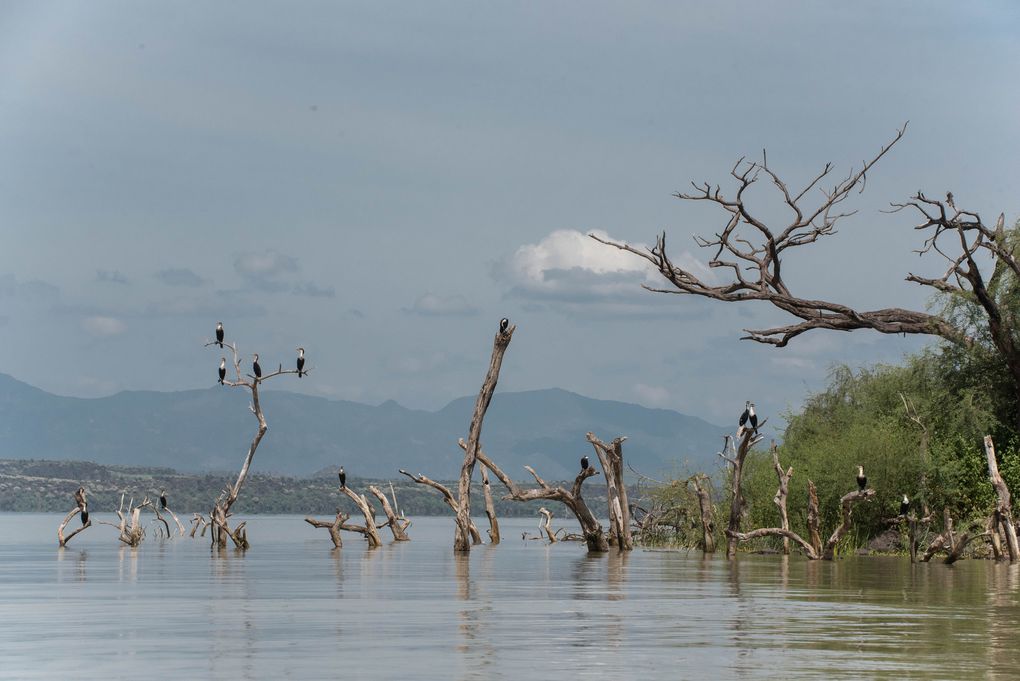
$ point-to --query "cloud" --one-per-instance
(179, 276)
(114, 277)
(570, 267)
(32, 291)
(652, 395)
(431, 305)
(313, 290)
(103, 326)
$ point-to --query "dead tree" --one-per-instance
(220, 515)
(750, 253)
(950, 543)
(546, 524)
(81, 505)
(846, 506)
(333, 527)
(451, 501)
(748, 438)
(611, 459)
(1004, 508)
(780, 499)
(490, 508)
(813, 519)
(197, 521)
(369, 530)
(130, 527)
(707, 512)
(398, 526)
(591, 529)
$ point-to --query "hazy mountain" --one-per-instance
(209, 430)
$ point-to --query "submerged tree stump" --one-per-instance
(611, 459)
(706, 511)
(1004, 508)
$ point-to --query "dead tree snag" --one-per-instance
(1004, 507)
(81, 505)
(219, 518)
(780, 499)
(333, 527)
(546, 524)
(490, 508)
(451, 501)
(369, 531)
(814, 535)
(398, 526)
(707, 512)
(611, 459)
(748, 439)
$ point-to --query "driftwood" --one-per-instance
(1004, 508)
(594, 537)
(220, 515)
(490, 508)
(463, 535)
(707, 511)
(546, 524)
(611, 458)
(61, 539)
(780, 499)
(451, 501)
(398, 526)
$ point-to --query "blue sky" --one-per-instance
(381, 182)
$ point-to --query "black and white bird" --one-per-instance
(79, 498)
(752, 417)
(862, 480)
(949, 200)
(84, 517)
(300, 362)
(343, 478)
(162, 499)
(905, 505)
(255, 367)
(746, 415)
(219, 333)
(223, 369)
(584, 463)
(504, 324)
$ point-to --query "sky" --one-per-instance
(382, 182)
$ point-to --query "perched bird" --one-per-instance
(504, 324)
(79, 498)
(223, 369)
(862, 480)
(343, 478)
(162, 499)
(255, 368)
(219, 333)
(300, 362)
(745, 415)
(752, 417)
(84, 517)
(905, 505)
(949, 200)
(584, 463)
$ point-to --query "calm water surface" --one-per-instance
(293, 608)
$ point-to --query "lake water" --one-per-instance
(294, 608)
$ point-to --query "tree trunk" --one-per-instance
(814, 535)
(846, 503)
(61, 539)
(361, 501)
(780, 498)
(333, 527)
(396, 527)
(611, 459)
(736, 494)
(1005, 507)
(490, 508)
(546, 524)
(707, 513)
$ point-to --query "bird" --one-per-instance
(219, 333)
(862, 480)
(255, 368)
(343, 478)
(162, 499)
(84, 517)
(905, 505)
(223, 369)
(79, 498)
(300, 362)
(584, 463)
(504, 324)
(753, 417)
(949, 200)
(745, 415)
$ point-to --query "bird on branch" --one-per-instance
(862, 480)
(219, 333)
(949, 200)
(743, 418)
(904, 505)
(162, 499)
(256, 368)
(584, 463)
(223, 369)
(504, 324)
(343, 478)
(300, 362)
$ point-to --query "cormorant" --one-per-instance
(949, 200)
(219, 333)
(255, 368)
(343, 478)
(504, 324)
(223, 369)
(300, 362)
(84, 517)
(162, 499)
(753, 417)
(745, 415)
(584, 463)
(905, 505)
(79, 498)
(862, 480)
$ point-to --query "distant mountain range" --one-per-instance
(210, 429)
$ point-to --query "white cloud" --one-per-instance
(103, 326)
(652, 395)
(569, 265)
(266, 265)
(431, 305)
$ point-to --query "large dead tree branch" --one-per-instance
(781, 493)
(846, 506)
(748, 439)
(398, 526)
(81, 505)
(451, 501)
(490, 507)
(706, 511)
(611, 458)
(1004, 507)
(333, 526)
